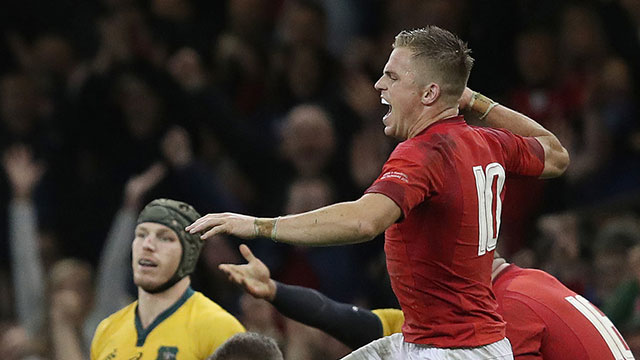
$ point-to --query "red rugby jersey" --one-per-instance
(546, 320)
(448, 180)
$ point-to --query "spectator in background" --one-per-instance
(66, 291)
(615, 237)
(559, 247)
(609, 122)
(211, 282)
(24, 337)
(623, 306)
(537, 95)
(15, 344)
(27, 268)
(208, 116)
(179, 23)
(328, 269)
(308, 141)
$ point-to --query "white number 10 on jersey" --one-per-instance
(485, 179)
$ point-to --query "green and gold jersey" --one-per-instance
(391, 319)
(190, 329)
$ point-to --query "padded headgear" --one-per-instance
(176, 215)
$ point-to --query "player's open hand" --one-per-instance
(224, 223)
(254, 276)
(23, 171)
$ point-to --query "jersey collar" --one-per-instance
(142, 332)
(458, 119)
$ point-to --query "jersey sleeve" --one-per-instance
(96, 342)
(410, 175)
(391, 319)
(523, 155)
(215, 329)
(353, 326)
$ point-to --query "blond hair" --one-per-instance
(444, 56)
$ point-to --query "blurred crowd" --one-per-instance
(268, 107)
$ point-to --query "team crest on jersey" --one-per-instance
(167, 353)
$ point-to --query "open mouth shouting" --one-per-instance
(385, 102)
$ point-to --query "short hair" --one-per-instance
(248, 346)
(443, 54)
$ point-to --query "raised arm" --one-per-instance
(28, 269)
(113, 269)
(338, 224)
(348, 323)
(489, 113)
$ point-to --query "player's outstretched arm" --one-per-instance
(348, 323)
(492, 114)
(343, 223)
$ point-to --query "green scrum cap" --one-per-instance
(176, 215)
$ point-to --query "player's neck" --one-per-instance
(428, 118)
(151, 305)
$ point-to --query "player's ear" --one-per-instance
(430, 94)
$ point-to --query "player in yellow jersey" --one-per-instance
(169, 320)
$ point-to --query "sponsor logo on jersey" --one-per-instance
(395, 175)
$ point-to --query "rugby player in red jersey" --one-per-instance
(545, 320)
(438, 198)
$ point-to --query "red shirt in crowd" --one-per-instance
(449, 182)
(546, 320)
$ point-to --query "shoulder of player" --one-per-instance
(115, 320)
(433, 143)
(531, 286)
(533, 277)
(497, 134)
(125, 312)
(205, 311)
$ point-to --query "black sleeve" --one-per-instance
(348, 323)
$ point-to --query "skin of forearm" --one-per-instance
(517, 123)
(336, 224)
(66, 341)
(556, 160)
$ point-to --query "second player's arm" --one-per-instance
(348, 323)
(343, 223)
(556, 157)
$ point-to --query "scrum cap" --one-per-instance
(176, 215)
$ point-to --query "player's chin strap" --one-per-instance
(167, 285)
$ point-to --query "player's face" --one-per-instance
(156, 254)
(399, 90)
